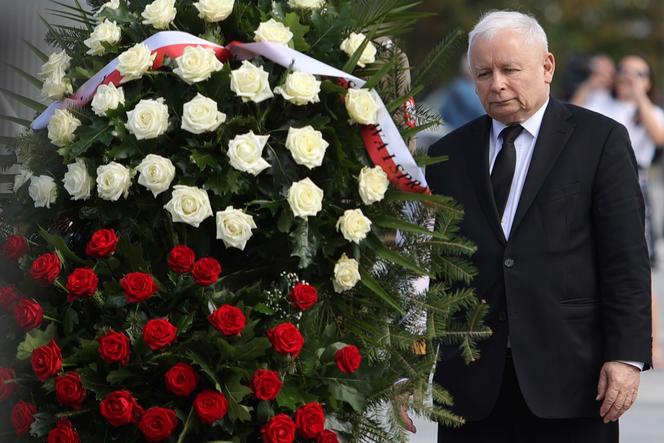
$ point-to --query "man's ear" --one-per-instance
(549, 67)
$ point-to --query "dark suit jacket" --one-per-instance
(572, 283)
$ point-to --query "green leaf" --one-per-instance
(29, 77)
(36, 51)
(378, 75)
(33, 340)
(428, 161)
(117, 376)
(203, 160)
(84, 354)
(369, 282)
(42, 424)
(202, 363)
(235, 392)
(93, 381)
(264, 411)
(59, 244)
(69, 320)
(389, 222)
(349, 395)
(392, 256)
(98, 132)
(254, 349)
(18, 121)
(132, 253)
(263, 309)
(285, 220)
(290, 397)
(330, 87)
(304, 244)
(292, 20)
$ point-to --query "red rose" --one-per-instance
(82, 283)
(303, 296)
(8, 297)
(181, 259)
(28, 314)
(46, 268)
(286, 339)
(157, 423)
(22, 417)
(15, 247)
(138, 286)
(102, 243)
(280, 429)
(327, 436)
(266, 384)
(228, 320)
(114, 347)
(159, 333)
(310, 420)
(206, 271)
(63, 432)
(181, 379)
(210, 406)
(348, 359)
(120, 408)
(69, 390)
(46, 361)
(7, 383)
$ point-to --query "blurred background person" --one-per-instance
(631, 103)
(460, 103)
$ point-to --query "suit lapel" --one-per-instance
(551, 140)
(478, 170)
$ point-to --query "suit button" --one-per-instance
(502, 316)
(508, 262)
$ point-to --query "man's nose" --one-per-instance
(497, 82)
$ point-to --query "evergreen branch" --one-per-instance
(29, 77)
(32, 104)
(36, 51)
(434, 59)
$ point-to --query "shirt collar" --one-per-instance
(532, 125)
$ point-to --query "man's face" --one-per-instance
(512, 77)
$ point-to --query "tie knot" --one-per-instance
(510, 133)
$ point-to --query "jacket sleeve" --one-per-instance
(622, 254)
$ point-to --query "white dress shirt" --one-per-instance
(524, 145)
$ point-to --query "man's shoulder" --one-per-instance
(460, 137)
(586, 116)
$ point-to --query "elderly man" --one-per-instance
(552, 200)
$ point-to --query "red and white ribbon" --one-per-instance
(383, 141)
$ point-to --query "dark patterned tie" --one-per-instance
(503, 167)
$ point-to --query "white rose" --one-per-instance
(21, 178)
(113, 181)
(61, 127)
(43, 191)
(245, 152)
(197, 64)
(57, 63)
(159, 13)
(77, 181)
(149, 119)
(156, 173)
(251, 83)
(300, 88)
(346, 274)
(135, 62)
(56, 86)
(352, 43)
(113, 4)
(305, 198)
(362, 106)
(200, 115)
(373, 183)
(307, 146)
(273, 31)
(234, 227)
(105, 32)
(189, 205)
(106, 98)
(354, 225)
(214, 10)
(307, 4)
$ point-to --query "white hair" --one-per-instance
(493, 22)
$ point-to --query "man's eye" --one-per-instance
(482, 75)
